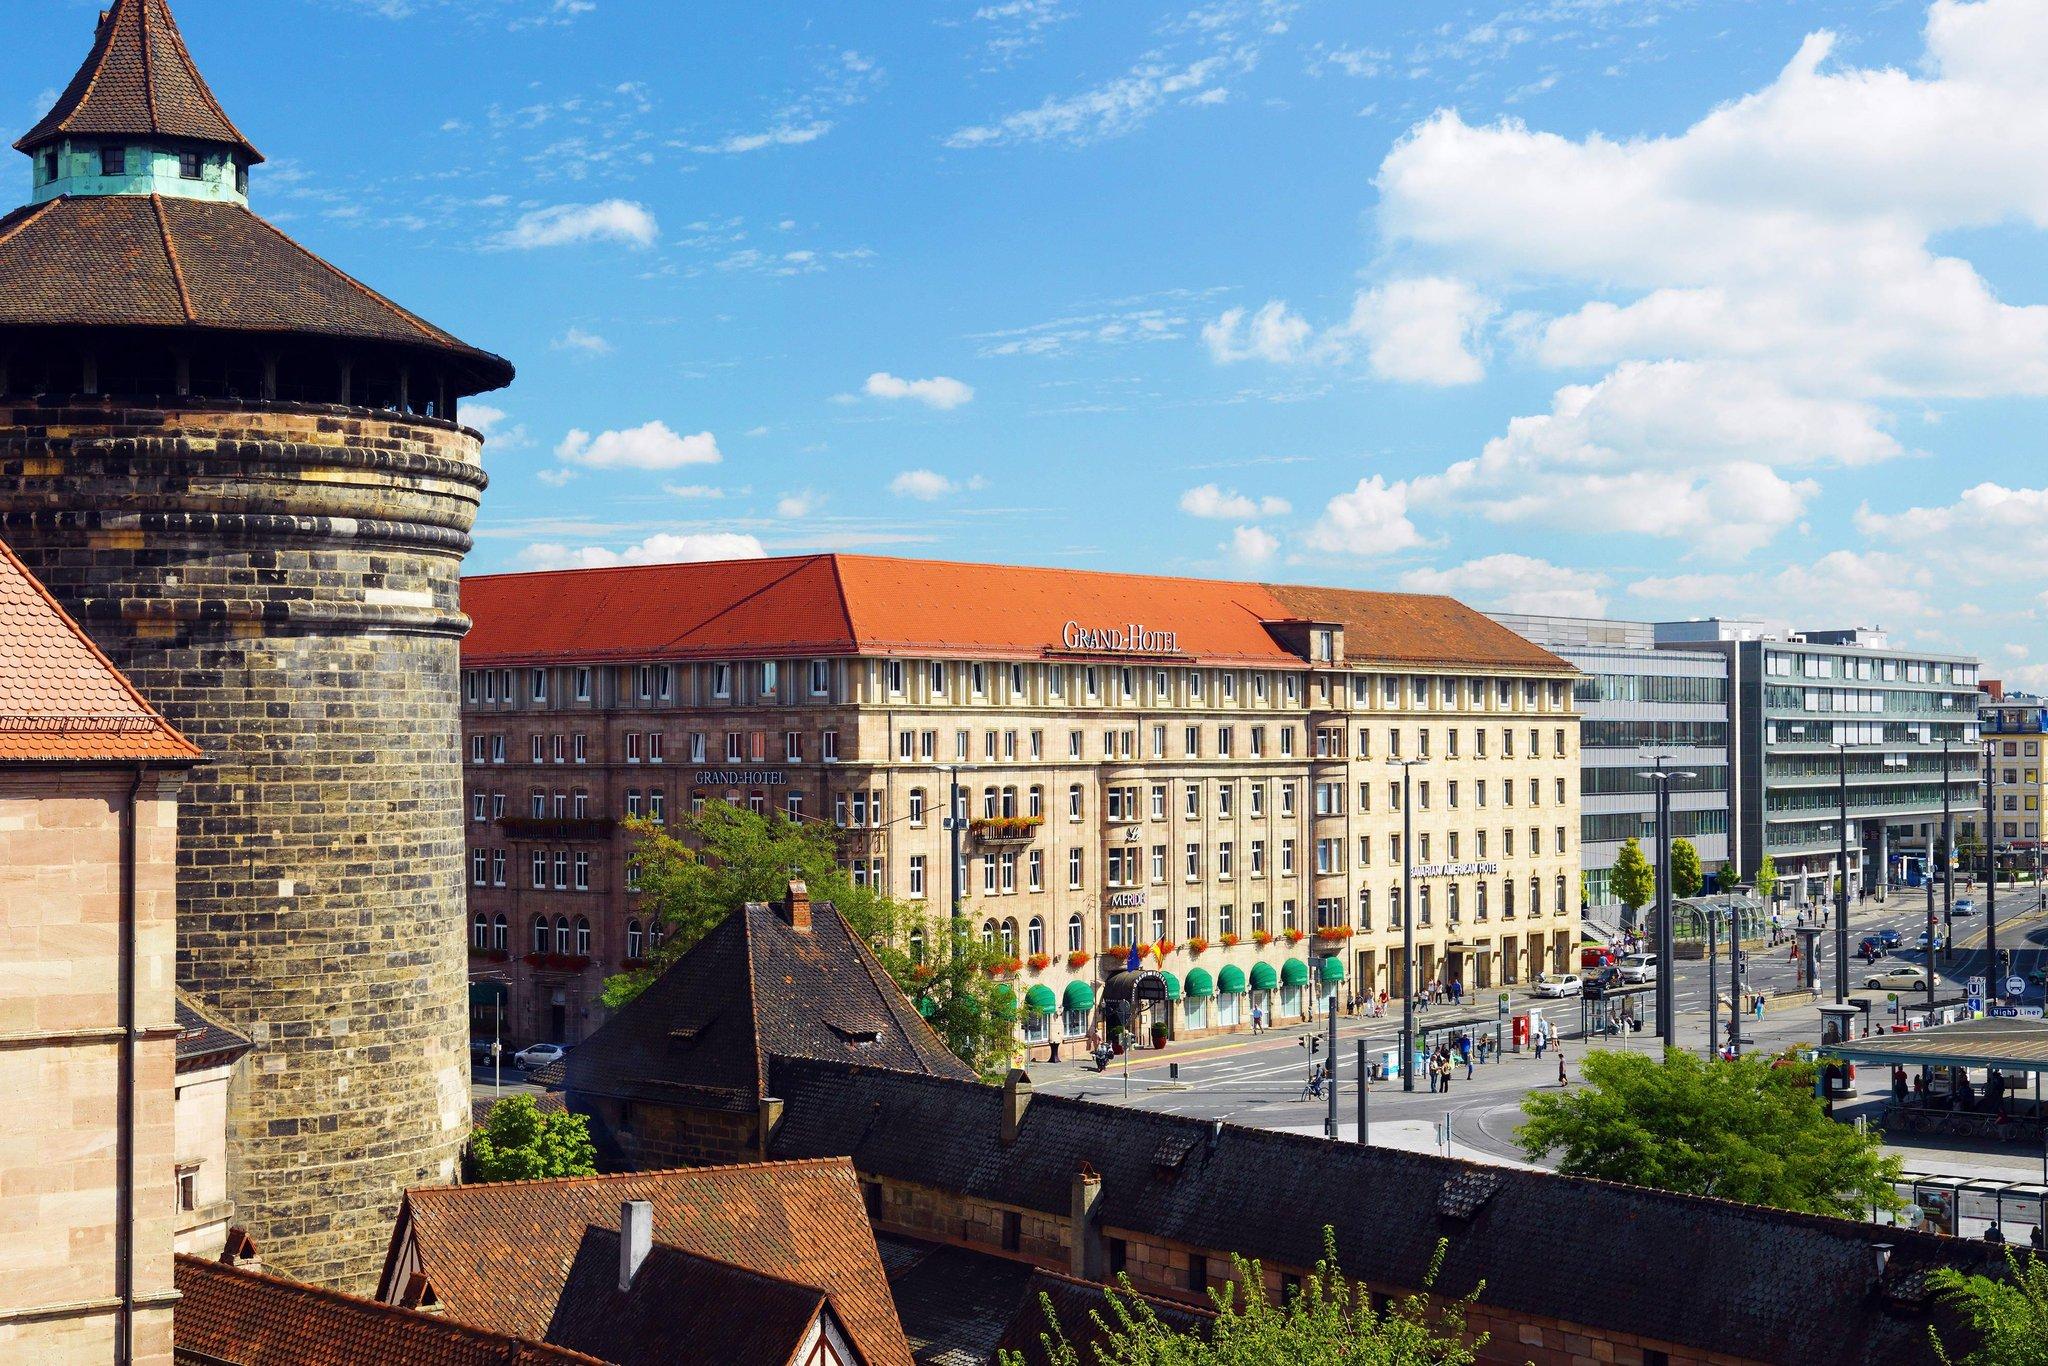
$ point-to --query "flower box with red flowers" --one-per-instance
(1197, 944)
(1230, 941)
(1039, 962)
(1262, 937)
(1330, 933)
(923, 972)
(1077, 960)
(1294, 936)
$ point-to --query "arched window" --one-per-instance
(480, 930)
(561, 934)
(1394, 905)
(540, 934)
(656, 932)
(1560, 894)
(1074, 802)
(917, 946)
(636, 940)
(1009, 801)
(1451, 902)
(499, 932)
(1037, 803)
(1479, 901)
(1073, 934)
(1034, 936)
(1009, 939)
(1422, 904)
(1507, 898)
(583, 936)
(988, 933)
(917, 806)
(1535, 895)
(988, 803)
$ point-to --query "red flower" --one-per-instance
(1077, 960)
(1197, 944)
(1039, 961)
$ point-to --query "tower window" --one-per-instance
(188, 165)
(241, 178)
(113, 161)
(50, 165)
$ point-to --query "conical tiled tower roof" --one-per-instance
(140, 81)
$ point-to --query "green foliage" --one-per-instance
(1633, 881)
(1686, 877)
(1330, 1320)
(710, 862)
(519, 1143)
(2009, 1318)
(1727, 877)
(1766, 877)
(1749, 1129)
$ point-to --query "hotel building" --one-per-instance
(1199, 769)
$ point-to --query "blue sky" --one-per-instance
(1652, 309)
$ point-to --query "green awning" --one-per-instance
(1230, 981)
(1079, 996)
(1333, 968)
(1200, 983)
(1172, 986)
(1040, 1000)
(1294, 972)
(1263, 977)
(488, 993)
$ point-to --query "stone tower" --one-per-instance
(239, 469)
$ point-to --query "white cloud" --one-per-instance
(1515, 583)
(693, 490)
(660, 548)
(1253, 545)
(937, 392)
(1417, 331)
(1107, 111)
(801, 504)
(576, 339)
(613, 220)
(1372, 519)
(1207, 500)
(928, 486)
(781, 135)
(494, 425)
(1841, 588)
(652, 446)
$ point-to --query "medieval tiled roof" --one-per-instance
(1741, 1280)
(507, 1254)
(859, 604)
(60, 698)
(752, 989)
(231, 1317)
(1079, 1308)
(954, 1302)
(202, 1039)
(138, 81)
(149, 261)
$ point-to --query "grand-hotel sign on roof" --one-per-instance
(1133, 639)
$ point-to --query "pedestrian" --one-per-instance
(1562, 1079)
(1898, 1085)
(1445, 1084)
(1759, 1005)
(1258, 1019)
(1468, 1059)
(1429, 1068)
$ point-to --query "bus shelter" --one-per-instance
(1972, 1079)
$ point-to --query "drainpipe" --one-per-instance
(124, 1125)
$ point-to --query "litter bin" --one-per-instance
(1521, 1032)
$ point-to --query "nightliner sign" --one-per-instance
(1133, 639)
(1454, 869)
(742, 777)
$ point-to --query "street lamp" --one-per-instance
(1841, 748)
(1990, 873)
(1407, 922)
(1667, 1013)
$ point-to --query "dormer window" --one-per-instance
(113, 161)
(189, 164)
(49, 165)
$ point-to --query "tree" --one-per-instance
(519, 1143)
(1633, 881)
(1686, 877)
(1728, 878)
(2009, 1318)
(1749, 1129)
(1766, 878)
(710, 862)
(1327, 1321)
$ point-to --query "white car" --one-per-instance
(1557, 984)
(540, 1055)
(1639, 967)
(1901, 975)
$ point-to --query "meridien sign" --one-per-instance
(1453, 869)
(1132, 639)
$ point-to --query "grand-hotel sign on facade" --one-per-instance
(1132, 639)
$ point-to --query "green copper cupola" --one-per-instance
(138, 119)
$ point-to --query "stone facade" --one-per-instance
(281, 581)
(60, 1040)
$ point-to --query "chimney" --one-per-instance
(797, 910)
(1016, 1100)
(636, 1239)
(1084, 1237)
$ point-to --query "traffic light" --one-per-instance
(1312, 1042)
(2005, 962)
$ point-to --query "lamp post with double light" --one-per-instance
(1667, 1011)
(1407, 922)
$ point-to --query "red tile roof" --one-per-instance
(859, 604)
(60, 698)
(147, 261)
(505, 1254)
(231, 1317)
(138, 80)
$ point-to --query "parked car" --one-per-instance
(1964, 907)
(1595, 955)
(480, 1052)
(1920, 940)
(1557, 984)
(1639, 967)
(1901, 975)
(1599, 980)
(1888, 939)
(540, 1055)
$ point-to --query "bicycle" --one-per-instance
(1311, 1090)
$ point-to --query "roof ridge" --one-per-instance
(746, 918)
(602, 1178)
(163, 725)
(163, 227)
(845, 600)
(33, 212)
(887, 993)
(148, 66)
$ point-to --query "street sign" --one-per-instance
(1977, 986)
(2004, 1012)
(1973, 1003)
(2015, 986)
(2029, 1012)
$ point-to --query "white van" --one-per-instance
(1639, 967)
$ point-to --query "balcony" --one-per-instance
(1001, 831)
